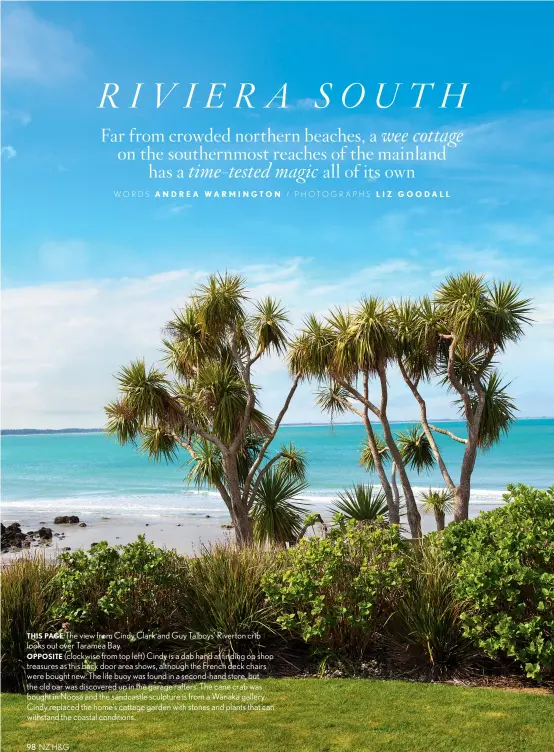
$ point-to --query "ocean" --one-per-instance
(91, 475)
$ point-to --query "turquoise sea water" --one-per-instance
(92, 475)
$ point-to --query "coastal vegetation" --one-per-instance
(353, 600)
(207, 403)
(362, 502)
(475, 598)
(452, 338)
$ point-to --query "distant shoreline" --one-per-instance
(47, 431)
(34, 431)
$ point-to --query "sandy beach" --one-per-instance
(183, 534)
(186, 534)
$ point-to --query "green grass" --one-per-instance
(314, 715)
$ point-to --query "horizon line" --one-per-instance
(293, 424)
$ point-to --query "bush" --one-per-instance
(505, 567)
(28, 594)
(424, 634)
(133, 587)
(337, 592)
(223, 593)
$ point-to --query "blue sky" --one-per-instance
(89, 280)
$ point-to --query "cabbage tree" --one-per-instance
(456, 337)
(349, 353)
(205, 402)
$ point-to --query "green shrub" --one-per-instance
(133, 587)
(505, 567)
(337, 592)
(28, 595)
(425, 632)
(223, 593)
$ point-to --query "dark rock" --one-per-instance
(67, 548)
(82, 524)
(208, 517)
(227, 527)
(31, 533)
(71, 519)
(146, 525)
(12, 537)
(45, 533)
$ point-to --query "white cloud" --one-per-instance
(305, 104)
(394, 271)
(173, 211)
(8, 152)
(441, 272)
(484, 257)
(63, 342)
(37, 50)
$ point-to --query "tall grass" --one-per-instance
(28, 596)
(224, 595)
(424, 634)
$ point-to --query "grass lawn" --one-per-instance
(310, 715)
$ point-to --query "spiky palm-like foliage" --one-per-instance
(206, 403)
(438, 499)
(270, 322)
(371, 333)
(292, 462)
(311, 352)
(416, 449)
(479, 314)
(276, 518)
(367, 460)
(206, 467)
(415, 324)
(498, 414)
(439, 503)
(362, 502)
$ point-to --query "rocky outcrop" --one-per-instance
(71, 519)
(14, 539)
(12, 536)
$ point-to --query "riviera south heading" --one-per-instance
(218, 95)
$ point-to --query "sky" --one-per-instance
(89, 280)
